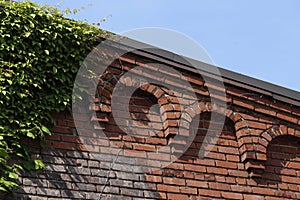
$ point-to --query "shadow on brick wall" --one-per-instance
(283, 162)
(64, 171)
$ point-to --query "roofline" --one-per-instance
(275, 91)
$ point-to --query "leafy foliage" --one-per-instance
(40, 53)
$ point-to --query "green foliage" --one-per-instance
(40, 53)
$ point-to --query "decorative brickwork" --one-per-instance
(160, 153)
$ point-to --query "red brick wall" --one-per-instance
(256, 155)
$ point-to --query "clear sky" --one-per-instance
(259, 38)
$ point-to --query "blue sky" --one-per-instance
(259, 38)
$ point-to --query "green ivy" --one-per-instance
(40, 53)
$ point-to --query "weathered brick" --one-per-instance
(131, 160)
(131, 192)
(48, 192)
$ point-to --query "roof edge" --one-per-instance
(155, 53)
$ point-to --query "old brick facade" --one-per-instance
(256, 156)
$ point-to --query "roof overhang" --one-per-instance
(236, 79)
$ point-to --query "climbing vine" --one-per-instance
(40, 53)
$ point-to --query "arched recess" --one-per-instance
(243, 132)
(145, 115)
(207, 146)
(283, 160)
(199, 108)
(252, 148)
(146, 98)
(256, 165)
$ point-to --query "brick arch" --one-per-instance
(105, 90)
(141, 84)
(256, 165)
(164, 100)
(243, 135)
(241, 127)
(252, 149)
(203, 106)
(200, 107)
(177, 117)
(108, 86)
(170, 107)
(272, 133)
(264, 139)
(282, 157)
(251, 152)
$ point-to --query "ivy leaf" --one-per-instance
(54, 70)
(35, 43)
(9, 82)
(31, 135)
(31, 24)
(34, 165)
(39, 164)
(3, 153)
(27, 34)
(3, 189)
(13, 175)
(46, 130)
